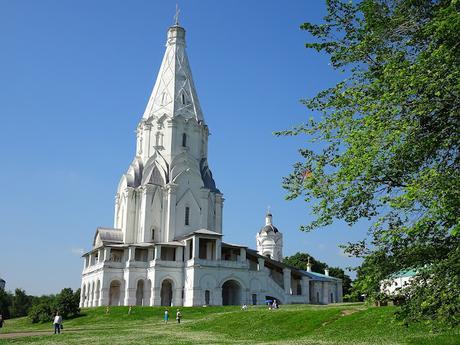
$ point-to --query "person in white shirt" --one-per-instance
(57, 323)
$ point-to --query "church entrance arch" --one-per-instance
(114, 293)
(140, 293)
(166, 292)
(231, 293)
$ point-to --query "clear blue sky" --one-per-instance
(75, 77)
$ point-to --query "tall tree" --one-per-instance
(5, 303)
(21, 303)
(67, 302)
(390, 153)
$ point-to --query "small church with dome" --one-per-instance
(166, 246)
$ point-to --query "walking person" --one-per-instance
(166, 317)
(57, 323)
(178, 316)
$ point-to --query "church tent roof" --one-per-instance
(174, 93)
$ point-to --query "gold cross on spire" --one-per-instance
(176, 16)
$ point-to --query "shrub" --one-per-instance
(40, 313)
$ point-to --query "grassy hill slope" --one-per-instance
(297, 324)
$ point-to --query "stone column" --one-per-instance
(155, 298)
(146, 195)
(150, 254)
(89, 300)
(179, 254)
(196, 247)
(82, 294)
(323, 296)
(305, 286)
(261, 265)
(177, 297)
(204, 199)
(115, 211)
(339, 292)
(170, 211)
(107, 254)
(130, 292)
(287, 281)
(218, 249)
(216, 297)
(243, 255)
(131, 253)
(219, 207)
(157, 252)
(130, 211)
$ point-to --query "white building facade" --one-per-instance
(166, 247)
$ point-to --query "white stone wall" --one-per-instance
(190, 280)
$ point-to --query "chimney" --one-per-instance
(326, 272)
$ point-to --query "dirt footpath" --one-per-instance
(26, 334)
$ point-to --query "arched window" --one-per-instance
(184, 140)
(187, 216)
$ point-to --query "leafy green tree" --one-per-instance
(67, 303)
(390, 144)
(5, 303)
(41, 313)
(20, 304)
(300, 261)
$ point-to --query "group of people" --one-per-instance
(273, 305)
(57, 321)
(178, 316)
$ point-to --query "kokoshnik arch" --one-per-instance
(166, 247)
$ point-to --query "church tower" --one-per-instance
(270, 240)
(168, 190)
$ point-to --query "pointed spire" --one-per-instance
(174, 91)
(176, 16)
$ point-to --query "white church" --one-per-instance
(166, 246)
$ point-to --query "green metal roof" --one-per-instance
(405, 273)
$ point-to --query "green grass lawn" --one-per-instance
(295, 324)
